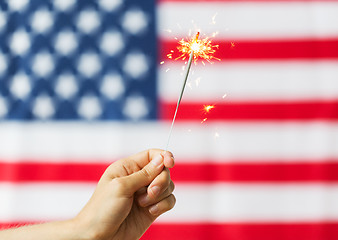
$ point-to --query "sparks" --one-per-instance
(213, 21)
(207, 108)
(202, 48)
(204, 120)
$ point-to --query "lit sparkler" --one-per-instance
(194, 48)
(201, 48)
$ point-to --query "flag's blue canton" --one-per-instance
(70, 60)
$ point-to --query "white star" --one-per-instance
(43, 64)
(112, 42)
(66, 86)
(3, 106)
(135, 21)
(89, 107)
(135, 65)
(17, 5)
(64, 5)
(89, 64)
(42, 21)
(3, 20)
(66, 42)
(110, 5)
(43, 107)
(20, 42)
(112, 86)
(135, 107)
(88, 21)
(3, 63)
(20, 86)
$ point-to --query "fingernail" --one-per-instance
(169, 154)
(173, 159)
(154, 209)
(143, 200)
(157, 161)
(155, 190)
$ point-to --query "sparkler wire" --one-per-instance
(180, 97)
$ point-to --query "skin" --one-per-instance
(130, 195)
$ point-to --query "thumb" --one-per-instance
(143, 177)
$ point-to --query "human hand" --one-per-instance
(130, 195)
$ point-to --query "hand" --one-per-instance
(130, 195)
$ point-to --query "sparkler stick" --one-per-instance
(182, 90)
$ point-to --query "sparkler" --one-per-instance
(194, 48)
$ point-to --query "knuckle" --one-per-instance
(146, 173)
(172, 186)
(164, 179)
(171, 202)
(119, 185)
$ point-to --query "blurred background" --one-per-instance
(84, 83)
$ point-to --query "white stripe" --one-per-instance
(195, 202)
(250, 19)
(254, 203)
(42, 201)
(251, 81)
(264, 141)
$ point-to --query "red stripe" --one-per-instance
(265, 49)
(244, 231)
(51, 172)
(256, 172)
(182, 172)
(234, 231)
(307, 110)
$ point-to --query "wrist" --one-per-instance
(80, 230)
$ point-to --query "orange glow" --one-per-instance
(202, 48)
(207, 108)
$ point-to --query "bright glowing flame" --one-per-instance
(207, 108)
(202, 48)
(195, 46)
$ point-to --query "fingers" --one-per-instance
(146, 200)
(163, 206)
(160, 188)
(143, 158)
(136, 162)
(158, 196)
(133, 182)
(168, 160)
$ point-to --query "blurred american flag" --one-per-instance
(81, 85)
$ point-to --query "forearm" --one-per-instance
(61, 230)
